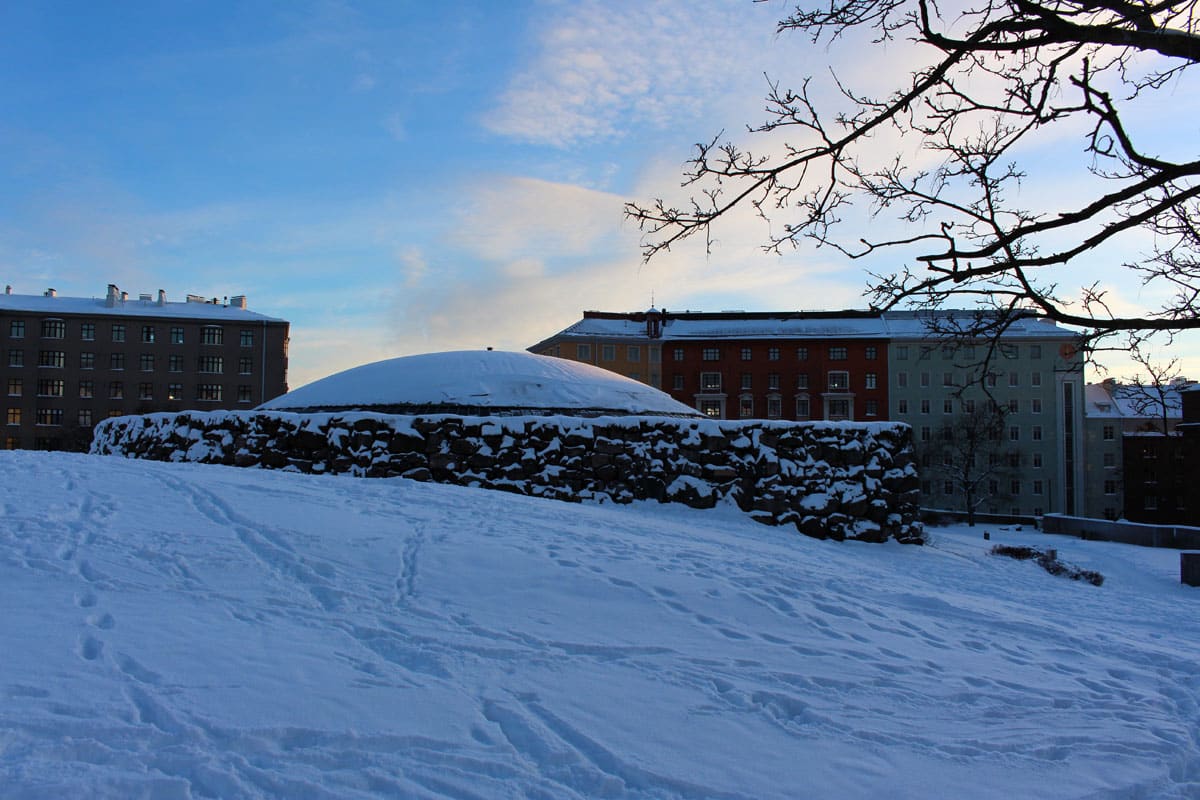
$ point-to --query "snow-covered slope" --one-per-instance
(174, 631)
(482, 379)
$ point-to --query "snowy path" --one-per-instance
(186, 631)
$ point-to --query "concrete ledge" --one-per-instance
(1180, 537)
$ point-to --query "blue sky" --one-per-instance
(392, 177)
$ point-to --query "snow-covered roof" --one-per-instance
(794, 325)
(481, 381)
(1121, 401)
(98, 306)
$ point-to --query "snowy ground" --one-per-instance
(174, 630)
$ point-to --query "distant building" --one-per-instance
(862, 365)
(69, 362)
(1132, 465)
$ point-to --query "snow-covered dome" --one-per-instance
(480, 382)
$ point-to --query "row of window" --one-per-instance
(967, 352)
(836, 381)
(57, 329)
(57, 359)
(213, 392)
(53, 387)
(949, 380)
(968, 405)
(836, 408)
(833, 353)
(1036, 487)
(947, 434)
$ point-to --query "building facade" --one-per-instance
(69, 362)
(865, 366)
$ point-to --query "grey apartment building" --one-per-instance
(69, 362)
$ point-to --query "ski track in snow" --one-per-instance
(188, 631)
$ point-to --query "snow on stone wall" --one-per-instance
(831, 480)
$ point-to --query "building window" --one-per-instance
(772, 354)
(872, 408)
(948, 406)
(208, 391)
(747, 380)
(745, 406)
(773, 381)
(924, 380)
(746, 354)
(116, 390)
(1036, 460)
(1014, 379)
(924, 405)
(1151, 503)
(15, 387)
(710, 381)
(655, 354)
(677, 382)
(212, 334)
(148, 334)
(49, 416)
(1035, 351)
(16, 329)
(1110, 487)
(902, 352)
(87, 331)
(902, 380)
(871, 380)
(54, 329)
(211, 364)
(1014, 488)
(711, 354)
(947, 487)
(678, 356)
(969, 406)
(1037, 433)
(118, 333)
(634, 353)
(116, 361)
(175, 363)
(1037, 487)
(1110, 460)
(245, 365)
(926, 433)
(583, 352)
(51, 387)
(947, 379)
(990, 380)
(1109, 433)
(803, 410)
(1036, 379)
(175, 391)
(52, 358)
(145, 391)
(901, 406)
(87, 389)
(837, 354)
(1035, 405)
(710, 408)
(839, 408)
(1014, 433)
(246, 338)
(839, 381)
(146, 362)
(176, 335)
(85, 417)
(947, 433)
(802, 380)
(802, 354)
(14, 416)
(871, 352)
(1014, 405)
(87, 360)
(244, 394)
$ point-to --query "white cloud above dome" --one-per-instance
(488, 380)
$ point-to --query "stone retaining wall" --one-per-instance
(831, 480)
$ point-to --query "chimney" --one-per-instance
(238, 301)
(124, 297)
(110, 299)
(8, 289)
(51, 293)
(162, 297)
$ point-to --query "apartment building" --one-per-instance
(69, 362)
(866, 366)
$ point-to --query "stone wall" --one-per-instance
(830, 480)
